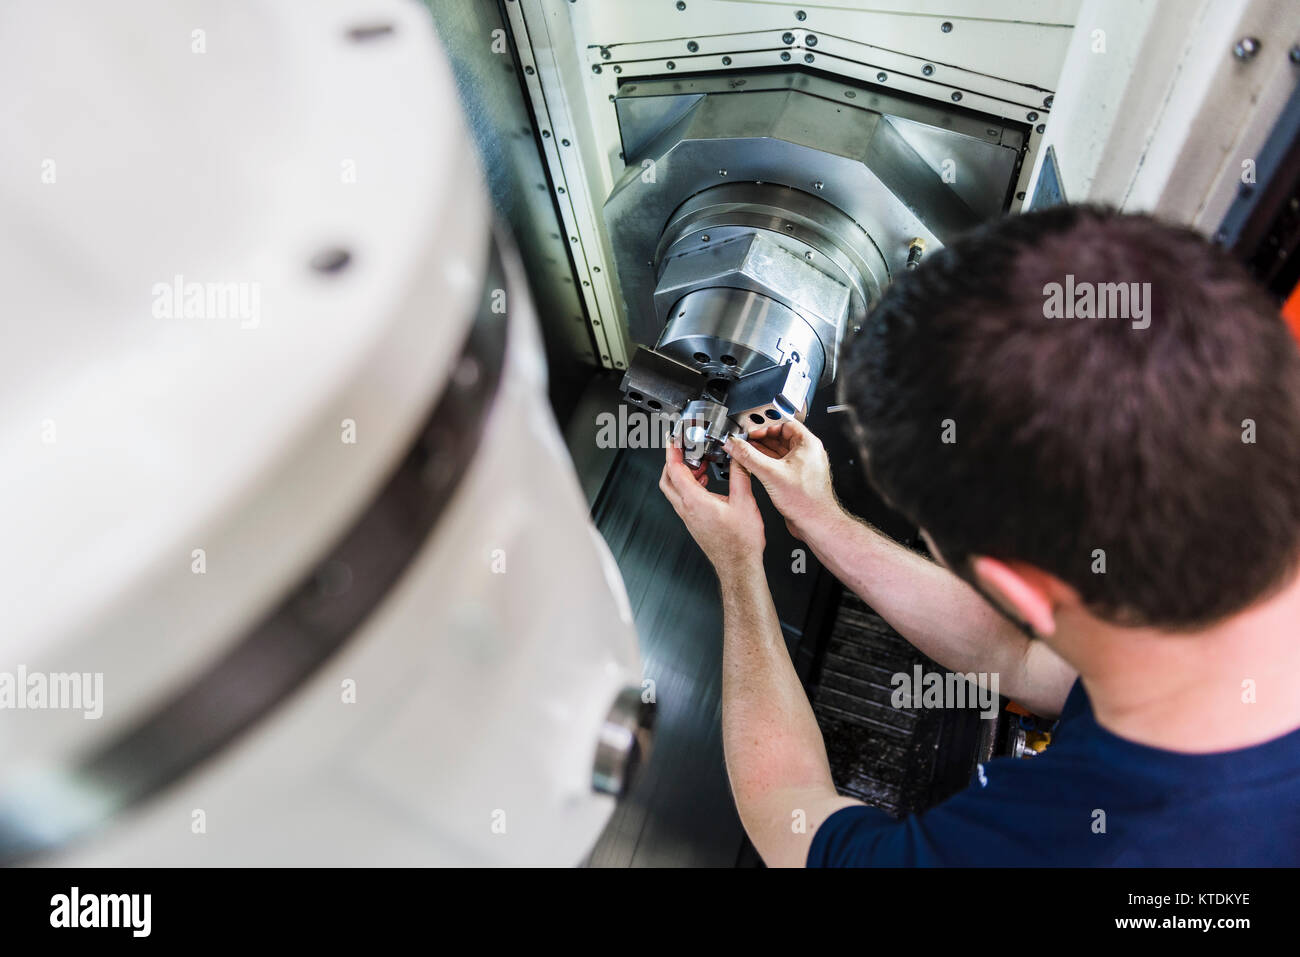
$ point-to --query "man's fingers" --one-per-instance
(751, 458)
(738, 487)
(672, 452)
(670, 493)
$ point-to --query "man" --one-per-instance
(1114, 502)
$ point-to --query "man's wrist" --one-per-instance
(822, 522)
(737, 566)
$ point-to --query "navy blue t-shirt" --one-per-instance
(1093, 798)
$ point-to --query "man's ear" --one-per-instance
(1027, 593)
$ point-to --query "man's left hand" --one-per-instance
(729, 528)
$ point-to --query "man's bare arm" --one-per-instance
(939, 613)
(927, 604)
(776, 758)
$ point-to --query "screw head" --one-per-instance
(946, 26)
(1047, 102)
(810, 40)
(595, 68)
(800, 16)
(1020, 195)
(787, 38)
(1032, 116)
(808, 58)
(1246, 48)
(726, 61)
(956, 96)
(671, 65)
(819, 185)
(692, 46)
(785, 54)
(1040, 128)
(681, 4)
(882, 76)
(928, 69)
(604, 53)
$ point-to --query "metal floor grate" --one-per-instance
(901, 760)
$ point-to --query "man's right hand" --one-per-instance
(792, 465)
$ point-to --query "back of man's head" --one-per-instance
(1105, 397)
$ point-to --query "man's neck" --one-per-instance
(1230, 686)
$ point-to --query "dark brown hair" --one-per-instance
(1168, 455)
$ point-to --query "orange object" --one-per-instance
(1291, 312)
(1017, 709)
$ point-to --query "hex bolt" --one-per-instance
(915, 249)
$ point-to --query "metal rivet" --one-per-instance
(810, 40)
(373, 31)
(1040, 128)
(882, 76)
(1047, 101)
(617, 68)
(1032, 116)
(722, 172)
(561, 190)
(671, 65)
(692, 46)
(331, 261)
(800, 16)
(546, 134)
(946, 26)
(726, 61)
(1246, 48)
(819, 185)
(787, 38)
(808, 256)
(928, 69)
(564, 142)
(785, 55)
(1020, 195)
(704, 238)
(529, 70)
(604, 53)
(956, 96)
(850, 94)
(681, 5)
(595, 68)
(808, 58)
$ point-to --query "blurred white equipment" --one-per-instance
(283, 499)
